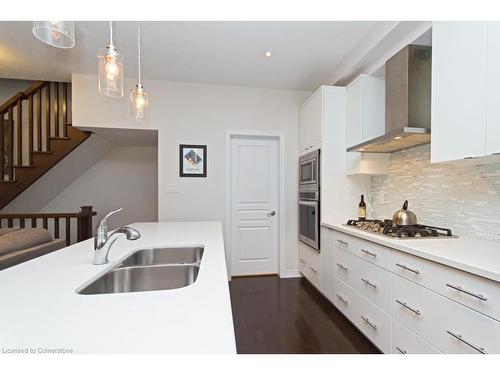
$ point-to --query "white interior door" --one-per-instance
(254, 206)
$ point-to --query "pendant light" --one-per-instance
(139, 100)
(60, 34)
(110, 63)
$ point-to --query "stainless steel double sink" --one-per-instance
(149, 269)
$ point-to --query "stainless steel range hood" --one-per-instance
(407, 102)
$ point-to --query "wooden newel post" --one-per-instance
(85, 223)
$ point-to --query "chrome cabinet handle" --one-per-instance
(460, 289)
(404, 304)
(302, 260)
(368, 282)
(313, 269)
(342, 299)
(460, 338)
(405, 267)
(367, 321)
(402, 351)
(341, 266)
(369, 253)
(343, 242)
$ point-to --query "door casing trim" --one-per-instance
(280, 136)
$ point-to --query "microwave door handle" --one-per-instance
(308, 203)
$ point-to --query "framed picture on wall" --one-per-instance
(193, 160)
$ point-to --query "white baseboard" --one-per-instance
(290, 274)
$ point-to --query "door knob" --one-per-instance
(272, 213)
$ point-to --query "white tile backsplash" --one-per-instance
(465, 199)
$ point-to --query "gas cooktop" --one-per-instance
(387, 228)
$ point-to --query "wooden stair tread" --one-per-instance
(59, 138)
(42, 152)
(24, 166)
(8, 182)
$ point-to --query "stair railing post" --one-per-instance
(85, 223)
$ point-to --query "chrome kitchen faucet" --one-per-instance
(103, 242)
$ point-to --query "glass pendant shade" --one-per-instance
(110, 63)
(139, 100)
(60, 34)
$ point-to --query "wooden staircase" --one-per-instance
(35, 134)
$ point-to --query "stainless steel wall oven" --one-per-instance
(309, 199)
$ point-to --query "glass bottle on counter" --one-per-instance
(362, 209)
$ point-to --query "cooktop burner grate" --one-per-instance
(389, 229)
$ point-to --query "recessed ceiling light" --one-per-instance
(269, 54)
(361, 149)
(398, 137)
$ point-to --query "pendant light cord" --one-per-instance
(139, 50)
(111, 33)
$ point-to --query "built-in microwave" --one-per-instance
(309, 199)
(309, 169)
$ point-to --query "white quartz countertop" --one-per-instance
(475, 256)
(39, 307)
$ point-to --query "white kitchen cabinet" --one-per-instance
(465, 90)
(311, 122)
(365, 120)
(415, 305)
(459, 54)
(310, 264)
(493, 90)
(327, 263)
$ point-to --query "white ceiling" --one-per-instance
(232, 53)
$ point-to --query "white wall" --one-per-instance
(125, 177)
(10, 87)
(199, 114)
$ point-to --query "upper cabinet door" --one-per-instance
(303, 128)
(493, 90)
(316, 118)
(354, 113)
(311, 122)
(459, 61)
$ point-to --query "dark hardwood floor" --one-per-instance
(273, 315)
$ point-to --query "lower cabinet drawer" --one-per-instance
(372, 321)
(418, 270)
(412, 305)
(478, 293)
(462, 330)
(310, 264)
(344, 298)
(405, 341)
(447, 325)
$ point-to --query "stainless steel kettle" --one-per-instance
(404, 216)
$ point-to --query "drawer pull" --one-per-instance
(368, 282)
(405, 267)
(402, 351)
(341, 266)
(302, 260)
(343, 242)
(404, 304)
(369, 253)
(460, 338)
(460, 289)
(342, 299)
(313, 269)
(367, 321)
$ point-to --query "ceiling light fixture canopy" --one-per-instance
(60, 34)
(139, 98)
(110, 63)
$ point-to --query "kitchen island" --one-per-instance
(42, 312)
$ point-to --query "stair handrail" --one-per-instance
(22, 95)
